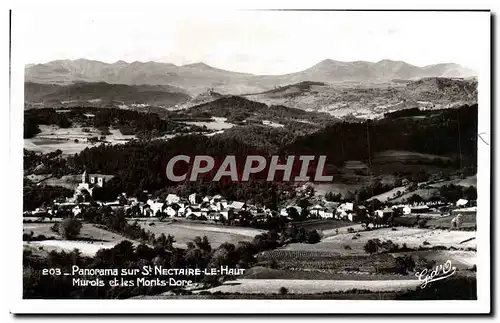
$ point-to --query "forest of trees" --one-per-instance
(140, 165)
(448, 132)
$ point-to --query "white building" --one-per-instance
(172, 198)
(170, 211)
(76, 210)
(327, 213)
(155, 206)
(192, 198)
(343, 210)
(237, 206)
(315, 210)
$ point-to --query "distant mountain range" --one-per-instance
(197, 78)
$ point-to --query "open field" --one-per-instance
(326, 227)
(412, 237)
(468, 181)
(68, 181)
(469, 221)
(424, 193)
(405, 156)
(186, 232)
(86, 248)
(341, 229)
(218, 123)
(46, 146)
(352, 243)
(88, 232)
(91, 238)
(53, 137)
(298, 286)
(342, 188)
(384, 197)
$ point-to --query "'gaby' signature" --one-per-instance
(438, 273)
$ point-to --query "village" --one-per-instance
(220, 210)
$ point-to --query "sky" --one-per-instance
(258, 42)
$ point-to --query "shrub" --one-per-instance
(422, 223)
(350, 230)
(371, 246)
(389, 246)
(426, 243)
(69, 228)
(313, 237)
(347, 247)
(404, 264)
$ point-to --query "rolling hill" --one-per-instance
(53, 94)
(239, 110)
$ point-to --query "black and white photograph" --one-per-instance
(219, 154)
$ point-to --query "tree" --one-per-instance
(293, 213)
(69, 228)
(371, 247)
(165, 242)
(374, 204)
(332, 197)
(283, 291)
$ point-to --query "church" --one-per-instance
(88, 183)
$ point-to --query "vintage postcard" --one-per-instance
(210, 156)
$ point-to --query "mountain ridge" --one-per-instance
(197, 77)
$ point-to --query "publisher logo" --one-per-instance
(440, 272)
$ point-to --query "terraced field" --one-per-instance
(326, 261)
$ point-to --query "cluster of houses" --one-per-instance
(218, 208)
(198, 207)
